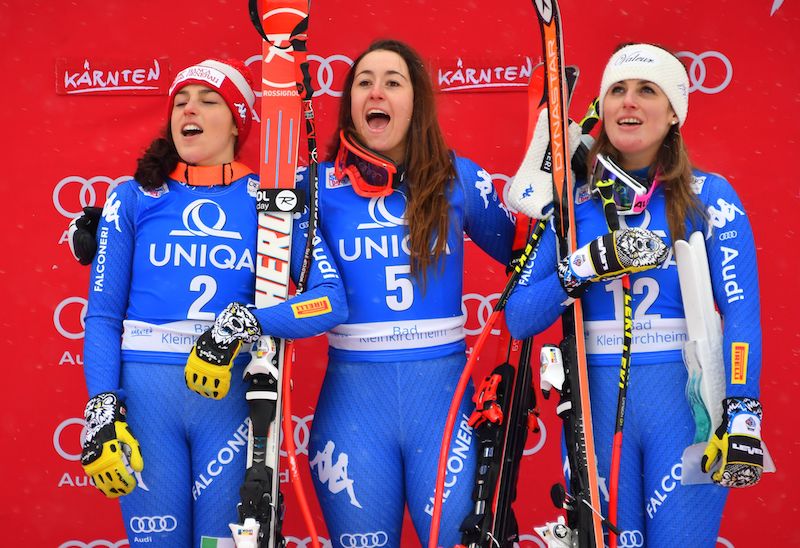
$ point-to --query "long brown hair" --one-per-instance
(674, 174)
(428, 166)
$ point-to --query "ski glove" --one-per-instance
(611, 256)
(208, 369)
(531, 190)
(736, 444)
(82, 233)
(110, 453)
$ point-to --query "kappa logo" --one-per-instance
(484, 186)
(335, 475)
(721, 215)
(111, 210)
(196, 226)
(381, 216)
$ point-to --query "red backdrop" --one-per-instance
(84, 93)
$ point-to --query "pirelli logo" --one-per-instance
(739, 352)
(315, 307)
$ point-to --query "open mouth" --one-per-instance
(191, 129)
(629, 122)
(377, 119)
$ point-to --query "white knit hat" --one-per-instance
(652, 63)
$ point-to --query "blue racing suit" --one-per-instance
(393, 366)
(655, 510)
(168, 262)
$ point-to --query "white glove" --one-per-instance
(531, 190)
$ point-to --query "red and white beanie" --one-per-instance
(649, 62)
(231, 79)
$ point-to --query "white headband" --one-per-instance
(652, 63)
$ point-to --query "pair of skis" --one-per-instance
(492, 523)
(584, 524)
(286, 98)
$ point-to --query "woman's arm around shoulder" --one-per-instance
(323, 304)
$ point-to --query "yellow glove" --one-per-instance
(110, 453)
(208, 368)
(736, 444)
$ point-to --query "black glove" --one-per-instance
(737, 444)
(82, 235)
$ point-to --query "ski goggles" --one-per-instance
(630, 195)
(370, 173)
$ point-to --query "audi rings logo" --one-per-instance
(71, 194)
(301, 434)
(708, 77)
(69, 317)
(94, 544)
(330, 73)
(482, 313)
(327, 73)
(73, 451)
(364, 540)
(153, 524)
(630, 539)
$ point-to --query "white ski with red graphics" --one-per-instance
(261, 507)
(583, 502)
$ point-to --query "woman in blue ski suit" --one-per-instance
(394, 205)
(643, 105)
(175, 247)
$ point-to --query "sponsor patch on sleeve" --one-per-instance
(314, 307)
(739, 353)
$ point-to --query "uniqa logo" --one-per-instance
(196, 226)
